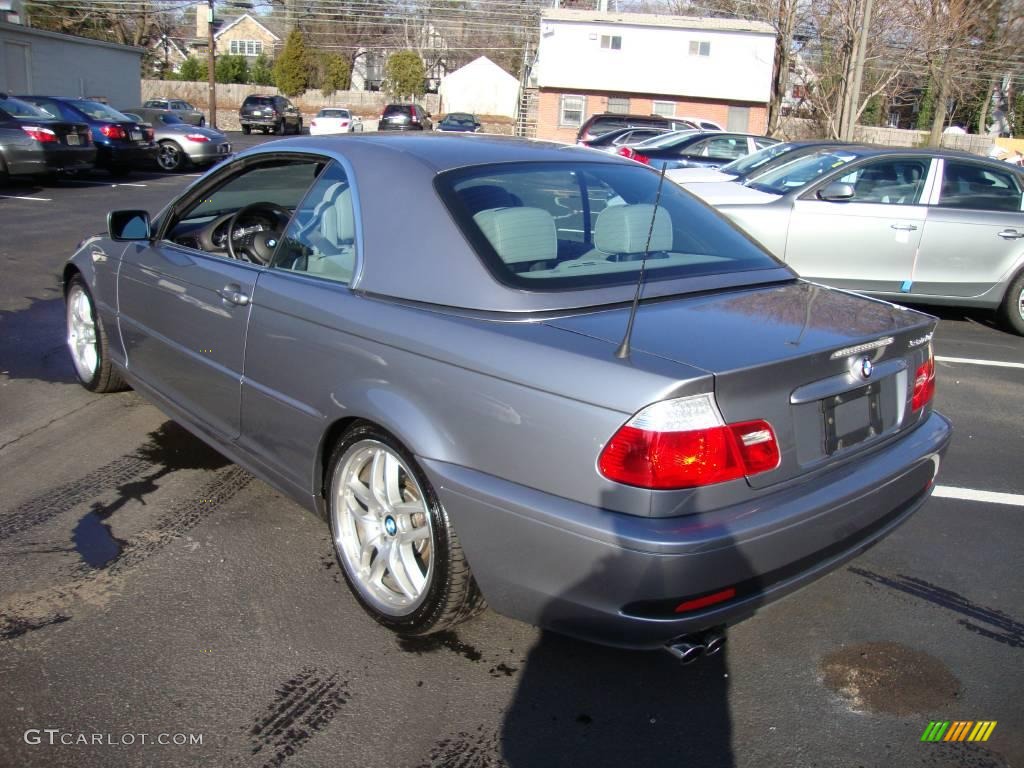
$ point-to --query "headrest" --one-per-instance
(520, 234)
(624, 228)
(337, 222)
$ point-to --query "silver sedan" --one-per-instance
(927, 226)
(182, 144)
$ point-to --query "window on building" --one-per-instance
(246, 47)
(571, 111)
(618, 104)
(700, 47)
(614, 42)
(664, 108)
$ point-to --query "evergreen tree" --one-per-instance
(232, 69)
(193, 70)
(291, 66)
(335, 74)
(926, 110)
(261, 71)
(405, 74)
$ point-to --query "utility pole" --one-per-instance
(858, 71)
(211, 63)
(783, 44)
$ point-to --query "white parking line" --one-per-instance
(972, 361)
(101, 183)
(26, 197)
(967, 494)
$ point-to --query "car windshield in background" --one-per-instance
(339, 113)
(258, 101)
(21, 110)
(665, 139)
(98, 111)
(755, 160)
(549, 226)
(170, 119)
(800, 173)
(459, 119)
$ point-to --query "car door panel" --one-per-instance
(183, 323)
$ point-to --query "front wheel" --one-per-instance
(1011, 312)
(87, 341)
(202, 122)
(396, 546)
(246, 129)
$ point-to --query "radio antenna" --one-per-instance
(623, 351)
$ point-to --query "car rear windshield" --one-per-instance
(397, 109)
(257, 101)
(576, 225)
(98, 111)
(800, 172)
(342, 113)
(22, 110)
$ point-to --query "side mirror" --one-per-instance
(128, 225)
(836, 191)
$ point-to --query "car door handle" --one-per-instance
(1010, 234)
(233, 294)
(904, 227)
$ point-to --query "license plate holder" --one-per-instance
(136, 135)
(224, 149)
(852, 417)
(72, 139)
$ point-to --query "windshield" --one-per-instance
(755, 160)
(801, 172)
(170, 119)
(460, 119)
(665, 139)
(574, 225)
(98, 111)
(340, 113)
(21, 110)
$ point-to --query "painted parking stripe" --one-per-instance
(972, 361)
(102, 183)
(26, 197)
(968, 494)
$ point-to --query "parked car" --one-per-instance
(32, 142)
(927, 226)
(182, 144)
(748, 166)
(404, 117)
(468, 424)
(269, 114)
(612, 140)
(704, 124)
(182, 109)
(331, 120)
(459, 122)
(595, 125)
(121, 144)
(707, 150)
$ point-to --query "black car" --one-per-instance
(596, 125)
(269, 114)
(695, 150)
(612, 140)
(32, 142)
(404, 117)
(121, 143)
(459, 122)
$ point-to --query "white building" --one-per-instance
(481, 88)
(590, 62)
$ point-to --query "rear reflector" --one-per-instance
(685, 443)
(44, 135)
(312, 122)
(703, 602)
(924, 382)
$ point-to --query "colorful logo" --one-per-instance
(958, 730)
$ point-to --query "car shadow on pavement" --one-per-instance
(582, 704)
(32, 343)
(985, 317)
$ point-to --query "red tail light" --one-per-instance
(197, 137)
(924, 382)
(113, 132)
(44, 135)
(632, 154)
(312, 122)
(685, 443)
(148, 133)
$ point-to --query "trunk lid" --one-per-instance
(788, 354)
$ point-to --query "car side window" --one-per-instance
(977, 187)
(894, 182)
(321, 239)
(725, 147)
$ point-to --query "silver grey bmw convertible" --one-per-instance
(517, 374)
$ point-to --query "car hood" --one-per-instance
(701, 175)
(728, 193)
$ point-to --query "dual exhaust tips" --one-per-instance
(690, 648)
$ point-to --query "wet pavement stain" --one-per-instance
(440, 641)
(502, 670)
(16, 627)
(466, 750)
(93, 539)
(889, 678)
(1000, 627)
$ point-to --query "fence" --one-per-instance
(800, 128)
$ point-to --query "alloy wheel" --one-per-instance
(169, 157)
(82, 333)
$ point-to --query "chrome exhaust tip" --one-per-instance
(713, 643)
(685, 653)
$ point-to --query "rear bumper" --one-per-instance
(44, 159)
(575, 569)
(201, 153)
(138, 155)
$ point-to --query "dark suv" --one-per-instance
(595, 125)
(270, 114)
(404, 117)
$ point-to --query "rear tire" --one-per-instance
(279, 128)
(1011, 312)
(202, 122)
(393, 540)
(87, 341)
(171, 156)
(246, 129)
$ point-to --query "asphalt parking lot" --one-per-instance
(149, 588)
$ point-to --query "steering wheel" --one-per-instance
(257, 247)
